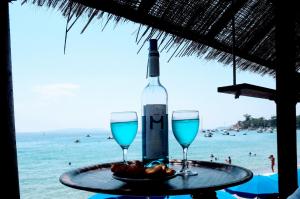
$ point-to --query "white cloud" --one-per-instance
(56, 91)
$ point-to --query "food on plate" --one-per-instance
(170, 171)
(137, 170)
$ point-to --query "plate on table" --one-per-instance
(144, 179)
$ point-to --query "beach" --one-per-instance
(44, 156)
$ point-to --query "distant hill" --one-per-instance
(251, 122)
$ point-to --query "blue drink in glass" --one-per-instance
(124, 132)
(185, 131)
(124, 127)
(185, 125)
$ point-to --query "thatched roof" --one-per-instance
(192, 27)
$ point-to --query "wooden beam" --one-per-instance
(9, 164)
(225, 18)
(285, 23)
(249, 91)
(155, 22)
(298, 82)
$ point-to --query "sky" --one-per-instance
(102, 72)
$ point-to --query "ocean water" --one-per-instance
(43, 157)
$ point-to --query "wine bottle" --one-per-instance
(155, 147)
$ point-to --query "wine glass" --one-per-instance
(124, 127)
(185, 125)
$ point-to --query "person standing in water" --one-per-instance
(271, 157)
(229, 160)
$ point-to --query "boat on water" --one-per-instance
(77, 141)
(259, 131)
(110, 138)
(208, 134)
(270, 130)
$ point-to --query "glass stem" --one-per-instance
(185, 163)
(125, 155)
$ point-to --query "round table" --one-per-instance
(211, 177)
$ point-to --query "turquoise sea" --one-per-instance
(43, 157)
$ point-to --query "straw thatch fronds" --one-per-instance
(191, 27)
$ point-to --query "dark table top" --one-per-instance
(211, 177)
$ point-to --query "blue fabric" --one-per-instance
(220, 195)
(258, 186)
(224, 195)
(103, 196)
(275, 176)
(108, 196)
(179, 197)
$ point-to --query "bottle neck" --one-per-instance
(154, 81)
(153, 64)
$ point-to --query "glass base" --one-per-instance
(187, 173)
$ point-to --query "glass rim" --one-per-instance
(123, 112)
(123, 116)
(185, 111)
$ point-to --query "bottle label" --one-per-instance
(155, 132)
